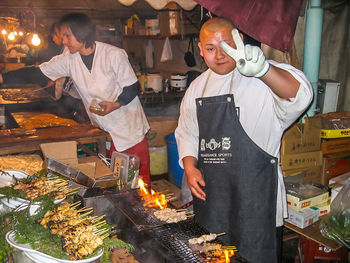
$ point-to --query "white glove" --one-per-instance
(250, 60)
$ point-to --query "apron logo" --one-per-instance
(212, 144)
(203, 145)
(225, 144)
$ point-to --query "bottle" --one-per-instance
(166, 86)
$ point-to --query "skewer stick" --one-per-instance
(75, 204)
(104, 236)
(100, 224)
(98, 218)
(183, 209)
(52, 177)
(101, 231)
(71, 189)
(229, 247)
(87, 213)
(70, 193)
(220, 234)
(84, 209)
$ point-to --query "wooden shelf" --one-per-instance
(161, 98)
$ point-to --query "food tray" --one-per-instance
(40, 257)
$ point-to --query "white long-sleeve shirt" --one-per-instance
(263, 115)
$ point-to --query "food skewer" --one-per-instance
(204, 238)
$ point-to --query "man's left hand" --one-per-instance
(108, 107)
(250, 60)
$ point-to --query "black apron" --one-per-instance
(240, 182)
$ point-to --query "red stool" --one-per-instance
(312, 250)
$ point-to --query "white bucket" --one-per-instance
(152, 27)
(154, 81)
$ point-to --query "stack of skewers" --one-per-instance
(57, 187)
(211, 252)
(80, 233)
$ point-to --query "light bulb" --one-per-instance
(11, 36)
(36, 40)
(3, 32)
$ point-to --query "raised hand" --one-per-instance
(250, 60)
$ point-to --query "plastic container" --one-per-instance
(158, 160)
(175, 172)
(95, 107)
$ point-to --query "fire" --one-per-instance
(142, 186)
(153, 199)
(228, 254)
(216, 253)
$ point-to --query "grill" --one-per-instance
(172, 237)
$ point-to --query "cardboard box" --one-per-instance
(335, 146)
(169, 20)
(160, 126)
(299, 204)
(334, 165)
(339, 133)
(324, 208)
(308, 174)
(303, 218)
(301, 160)
(335, 125)
(62, 158)
(300, 138)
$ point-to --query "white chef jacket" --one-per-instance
(110, 73)
(263, 115)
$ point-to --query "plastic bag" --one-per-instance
(149, 54)
(167, 53)
(336, 225)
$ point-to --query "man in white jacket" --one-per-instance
(231, 122)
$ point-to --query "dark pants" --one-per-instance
(279, 234)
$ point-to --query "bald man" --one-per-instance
(232, 118)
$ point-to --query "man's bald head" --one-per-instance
(215, 24)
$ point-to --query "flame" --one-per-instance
(152, 198)
(228, 254)
(142, 186)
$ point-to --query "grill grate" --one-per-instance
(130, 204)
(175, 238)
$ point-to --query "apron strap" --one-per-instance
(206, 83)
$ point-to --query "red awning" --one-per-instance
(271, 22)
